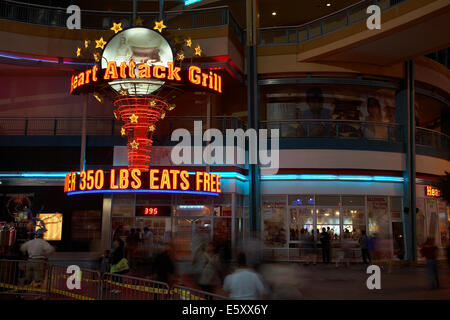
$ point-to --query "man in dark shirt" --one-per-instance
(325, 240)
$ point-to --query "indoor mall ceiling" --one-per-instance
(272, 12)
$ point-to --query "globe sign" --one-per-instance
(141, 45)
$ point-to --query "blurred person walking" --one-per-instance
(119, 264)
(429, 250)
(364, 244)
(163, 266)
(131, 247)
(209, 278)
(244, 283)
(147, 243)
(326, 245)
(38, 251)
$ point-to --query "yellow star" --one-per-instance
(159, 25)
(134, 144)
(134, 118)
(100, 43)
(170, 107)
(116, 27)
(87, 43)
(123, 92)
(96, 56)
(163, 115)
(152, 103)
(122, 131)
(78, 52)
(198, 50)
(180, 56)
(116, 115)
(188, 42)
(138, 21)
(151, 127)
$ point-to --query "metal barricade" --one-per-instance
(61, 287)
(23, 278)
(121, 287)
(183, 293)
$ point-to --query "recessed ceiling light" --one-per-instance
(328, 4)
(274, 13)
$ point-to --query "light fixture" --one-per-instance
(274, 13)
(328, 4)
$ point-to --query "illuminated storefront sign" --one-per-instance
(135, 180)
(131, 70)
(432, 192)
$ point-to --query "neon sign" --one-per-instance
(432, 192)
(154, 211)
(209, 80)
(135, 180)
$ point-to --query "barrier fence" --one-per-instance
(16, 279)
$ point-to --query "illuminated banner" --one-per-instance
(208, 80)
(135, 180)
(432, 192)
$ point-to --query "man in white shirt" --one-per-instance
(243, 283)
(38, 250)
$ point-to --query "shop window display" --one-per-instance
(274, 212)
(378, 217)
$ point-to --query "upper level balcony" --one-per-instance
(294, 134)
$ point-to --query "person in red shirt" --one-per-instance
(430, 251)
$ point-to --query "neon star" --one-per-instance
(170, 107)
(159, 25)
(134, 144)
(180, 56)
(96, 56)
(198, 50)
(78, 52)
(163, 115)
(100, 43)
(134, 118)
(152, 103)
(100, 99)
(188, 42)
(122, 131)
(138, 21)
(151, 127)
(116, 27)
(87, 43)
(116, 115)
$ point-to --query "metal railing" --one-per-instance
(106, 126)
(431, 138)
(18, 278)
(342, 129)
(102, 20)
(184, 293)
(324, 25)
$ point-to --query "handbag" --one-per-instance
(122, 265)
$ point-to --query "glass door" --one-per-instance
(190, 233)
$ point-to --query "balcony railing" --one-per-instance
(102, 20)
(105, 126)
(342, 129)
(434, 139)
(324, 25)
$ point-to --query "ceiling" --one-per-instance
(288, 12)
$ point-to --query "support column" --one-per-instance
(161, 10)
(83, 135)
(405, 115)
(253, 110)
(106, 222)
(135, 9)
